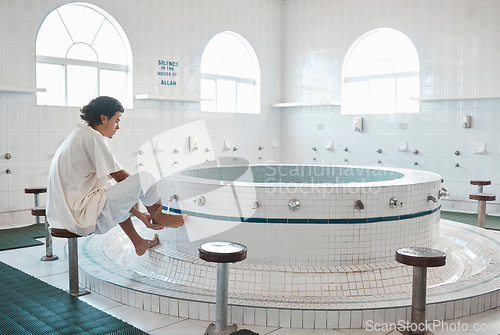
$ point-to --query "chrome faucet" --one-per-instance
(431, 198)
(443, 193)
(359, 205)
(394, 202)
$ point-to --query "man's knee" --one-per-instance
(149, 188)
(146, 179)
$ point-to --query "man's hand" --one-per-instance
(146, 219)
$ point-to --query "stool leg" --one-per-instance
(479, 190)
(73, 265)
(221, 327)
(481, 214)
(221, 297)
(48, 245)
(74, 289)
(36, 205)
(418, 300)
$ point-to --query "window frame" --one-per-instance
(215, 78)
(368, 78)
(126, 69)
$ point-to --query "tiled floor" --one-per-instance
(55, 273)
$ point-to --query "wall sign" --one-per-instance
(167, 73)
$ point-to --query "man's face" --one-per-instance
(110, 126)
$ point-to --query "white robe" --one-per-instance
(78, 178)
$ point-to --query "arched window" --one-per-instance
(81, 53)
(230, 75)
(381, 74)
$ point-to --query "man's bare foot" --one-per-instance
(169, 220)
(142, 247)
(163, 219)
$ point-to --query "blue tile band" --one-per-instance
(302, 221)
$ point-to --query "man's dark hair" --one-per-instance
(103, 105)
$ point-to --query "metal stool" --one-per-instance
(480, 184)
(481, 212)
(49, 256)
(36, 191)
(222, 253)
(420, 259)
(74, 289)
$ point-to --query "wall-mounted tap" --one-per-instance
(379, 151)
(415, 152)
(394, 202)
(235, 148)
(345, 149)
(431, 198)
(8, 171)
(443, 193)
(294, 204)
(359, 205)
(173, 197)
(261, 147)
(314, 149)
(200, 200)
(457, 153)
(256, 204)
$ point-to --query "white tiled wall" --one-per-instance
(458, 44)
(176, 30)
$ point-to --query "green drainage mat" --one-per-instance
(31, 306)
(244, 332)
(492, 222)
(21, 237)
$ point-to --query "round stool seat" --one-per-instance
(38, 211)
(482, 196)
(480, 182)
(35, 190)
(222, 252)
(423, 257)
(63, 233)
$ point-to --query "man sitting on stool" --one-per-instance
(80, 197)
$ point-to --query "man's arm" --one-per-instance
(136, 212)
(119, 175)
